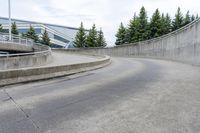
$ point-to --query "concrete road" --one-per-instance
(129, 96)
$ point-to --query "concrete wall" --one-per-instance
(16, 61)
(8, 77)
(11, 47)
(182, 45)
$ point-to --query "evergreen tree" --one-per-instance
(127, 38)
(32, 34)
(192, 18)
(14, 29)
(197, 16)
(23, 35)
(120, 35)
(178, 21)
(143, 31)
(163, 22)
(91, 39)
(1, 28)
(156, 25)
(132, 30)
(45, 38)
(80, 39)
(140, 29)
(166, 24)
(127, 34)
(100, 39)
(187, 18)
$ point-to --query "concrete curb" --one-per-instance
(42, 73)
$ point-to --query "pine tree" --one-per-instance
(80, 39)
(14, 29)
(166, 26)
(100, 39)
(1, 28)
(156, 25)
(32, 34)
(163, 22)
(45, 38)
(23, 35)
(127, 38)
(91, 39)
(120, 35)
(178, 21)
(197, 16)
(132, 30)
(192, 18)
(187, 18)
(143, 31)
(139, 29)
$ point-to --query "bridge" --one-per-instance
(147, 87)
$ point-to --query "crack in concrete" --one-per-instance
(62, 79)
(21, 109)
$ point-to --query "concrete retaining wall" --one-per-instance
(16, 61)
(11, 47)
(182, 45)
(38, 73)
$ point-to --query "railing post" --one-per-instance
(9, 14)
(20, 40)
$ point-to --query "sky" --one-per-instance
(106, 14)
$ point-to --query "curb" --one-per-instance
(44, 73)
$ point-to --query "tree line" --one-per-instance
(93, 38)
(140, 29)
(30, 34)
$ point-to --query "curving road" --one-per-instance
(129, 96)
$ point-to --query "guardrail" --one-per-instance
(3, 54)
(43, 51)
(15, 39)
(36, 55)
(41, 56)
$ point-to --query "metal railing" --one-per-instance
(3, 54)
(15, 39)
(46, 50)
(19, 40)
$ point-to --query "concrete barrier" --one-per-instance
(12, 47)
(42, 56)
(182, 45)
(45, 72)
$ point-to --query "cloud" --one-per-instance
(104, 13)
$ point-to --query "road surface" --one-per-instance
(129, 96)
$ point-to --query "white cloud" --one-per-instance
(104, 13)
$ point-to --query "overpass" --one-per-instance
(154, 94)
